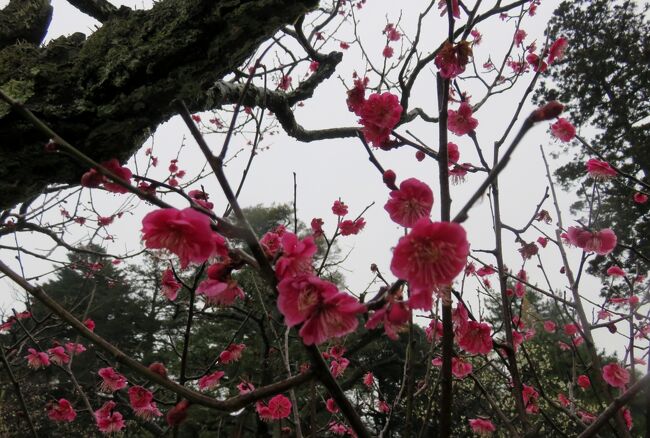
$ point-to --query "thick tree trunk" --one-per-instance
(105, 94)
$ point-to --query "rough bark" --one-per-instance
(106, 93)
(25, 21)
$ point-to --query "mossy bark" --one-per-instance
(105, 94)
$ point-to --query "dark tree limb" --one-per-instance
(105, 94)
(280, 105)
(100, 10)
(24, 21)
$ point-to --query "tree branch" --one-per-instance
(320, 367)
(100, 10)
(614, 407)
(24, 20)
(228, 405)
(107, 109)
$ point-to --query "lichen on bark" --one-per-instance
(104, 94)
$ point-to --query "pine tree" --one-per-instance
(605, 82)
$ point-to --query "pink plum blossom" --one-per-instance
(556, 51)
(220, 293)
(475, 337)
(211, 380)
(58, 355)
(461, 122)
(600, 169)
(186, 233)
(379, 114)
(324, 311)
(232, 353)
(170, 286)
(111, 380)
(615, 375)
(432, 254)
(601, 242)
(482, 426)
(61, 411)
(107, 420)
(37, 359)
(563, 130)
(296, 255)
(413, 201)
(141, 400)
(583, 381)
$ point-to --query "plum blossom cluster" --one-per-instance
(379, 113)
(392, 35)
(426, 260)
(337, 363)
(459, 367)
(319, 306)
(452, 58)
(11, 320)
(473, 337)
(316, 305)
(109, 421)
(61, 410)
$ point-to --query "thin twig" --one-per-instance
(19, 393)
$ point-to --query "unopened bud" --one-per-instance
(547, 112)
(389, 179)
(178, 413)
(158, 368)
(51, 146)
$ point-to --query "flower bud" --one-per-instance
(389, 179)
(547, 112)
(178, 413)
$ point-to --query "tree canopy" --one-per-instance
(605, 82)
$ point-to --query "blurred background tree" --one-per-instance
(605, 81)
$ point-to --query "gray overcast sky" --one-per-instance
(328, 170)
